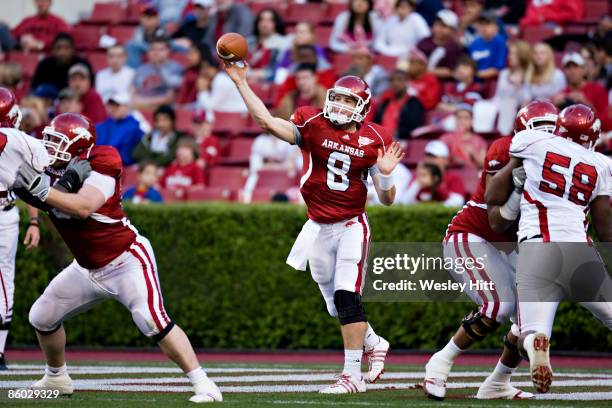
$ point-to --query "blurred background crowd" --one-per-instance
(447, 78)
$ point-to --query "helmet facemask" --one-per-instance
(341, 114)
(58, 144)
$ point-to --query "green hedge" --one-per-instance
(223, 273)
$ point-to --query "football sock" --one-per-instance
(3, 336)
(55, 371)
(502, 373)
(196, 375)
(450, 351)
(371, 339)
(352, 362)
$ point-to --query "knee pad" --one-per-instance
(42, 317)
(349, 307)
(478, 326)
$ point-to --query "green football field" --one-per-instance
(113, 384)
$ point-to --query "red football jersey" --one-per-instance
(336, 164)
(473, 218)
(107, 233)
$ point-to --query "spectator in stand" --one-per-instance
(144, 191)
(117, 77)
(229, 17)
(159, 146)
(193, 30)
(35, 115)
(510, 11)
(602, 33)
(426, 186)
(364, 67)
(465, 89)
(68, 101)
(10, 77)
(302, 37)
(307, 92)
(489, 49)
(7, 43)
(48, 94)
(595, 71)
(37, 33)
(54, 68)
(216, 91)
(450, 191)
(80, 82)
(170, 11)
(547, 79)
(187, 93)
(472, 9)
(402, 31)
(513, 82)
(441, 48)
(358, 26)
(121, 130)
(552, 11)
(148, 31)
(267, 44)
(579, 90)
(156, 81)
(467, 149)
(184, 171)
(210, 146)
(422, 84)
(396, 110)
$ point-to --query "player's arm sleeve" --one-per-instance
(301, 121)
(494, 160)
(520, 145)
(105, 184)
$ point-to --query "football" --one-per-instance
(232, 47)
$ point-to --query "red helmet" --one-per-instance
(538, 114)
(579, 124)
(341, 114)
(67, 136)
(10, 115)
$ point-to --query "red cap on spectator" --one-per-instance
(148, 9)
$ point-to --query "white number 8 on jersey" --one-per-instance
(334, 172)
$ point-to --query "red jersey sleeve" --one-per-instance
(304, 119)
(497, 156)
(105, 160)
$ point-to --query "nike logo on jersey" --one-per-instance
(342, 148)
(364, 141)
(346, 137)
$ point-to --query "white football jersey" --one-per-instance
(17, 148)
(562, 179)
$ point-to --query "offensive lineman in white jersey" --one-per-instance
(16, 148)
(561, 180)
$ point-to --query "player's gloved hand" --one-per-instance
(37, 184)
(75, 174)
(518, 177)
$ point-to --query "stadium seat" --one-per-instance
(173, 195)
(262, 195)
(388, 63)
(534, 34)
(309, 12)
(123, 33)
(415, 152)
(27, 61)
(87, 37)
(231, 178)
(276, 179)
(132, 13)
(593, 10)
(264, 91)
(184, 120)
(322, 34)
(240, 151)
(106, 13)
(199, 193)
(280, 7)
(98, 60)
(470, 177)
(253, 127)
(129, 177)
(342, 62)
(427, 132)
(333, 9)
(230, 122)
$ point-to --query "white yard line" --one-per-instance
(576, 396)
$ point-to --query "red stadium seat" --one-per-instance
(594, 10)
(122, 33)
(309, 12)
(87, 37)
(231, 178)
(427, 132)
(106, 13)
(199, 193)
(129, 177)
(173, 195)
(470, 177)
(230, 122)
(388, 63)
(279, 6)
(322, 34)
(333, 10)
(415, 152)
(264, 91)
(27, 61)
(276, 179)
(539, 33)
(98, 60)
(262, 195)
(184, 120)
(132, 13)
(240, 151)
(342, 62)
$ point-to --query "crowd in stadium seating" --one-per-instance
(447, 78)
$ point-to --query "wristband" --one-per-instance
(386, 182)
(34, 224)
(511, 208)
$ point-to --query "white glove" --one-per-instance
(518, 177)
(37, 184)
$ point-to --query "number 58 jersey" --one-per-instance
(336, 164)
(562, 180)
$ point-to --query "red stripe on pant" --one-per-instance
(149, 290)
(485, 300)
(364, 250)
(154, 277)
(483, 274)
(6, 308)
(542, 216)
